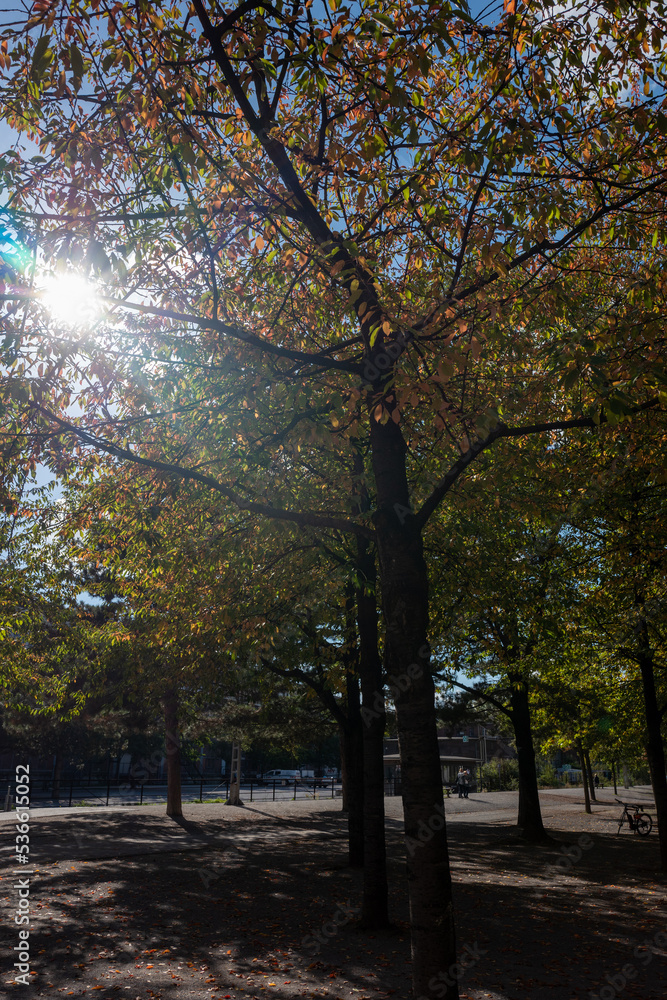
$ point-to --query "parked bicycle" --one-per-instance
(638, 822)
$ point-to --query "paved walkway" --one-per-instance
(124, 831)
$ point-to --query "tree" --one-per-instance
(503, 605)
(51, 647)
(180, 565)
(572, 704)
(357, 212)
(308, 606)
(613, 544)
(626, 600)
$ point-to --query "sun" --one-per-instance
(70, 299)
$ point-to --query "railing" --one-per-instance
(74, 791)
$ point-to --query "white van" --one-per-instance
(283, 777)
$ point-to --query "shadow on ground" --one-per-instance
(241, 918)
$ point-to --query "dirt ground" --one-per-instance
(231, 904)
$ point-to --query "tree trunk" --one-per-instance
(234, 796)
(655, 749)
(404, 582)
(589, 775)
(582, 763)
(529, 820)
(344, 765)
(613, 777)
(375, 906)
(57, 774)
(352, 766)
(173, 753)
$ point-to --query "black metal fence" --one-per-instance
(119, 791)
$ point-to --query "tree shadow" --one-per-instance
(280, 906)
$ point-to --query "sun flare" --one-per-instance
(70, 299)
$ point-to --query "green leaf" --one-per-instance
(41, 56)
(187, 154)
(76, 61)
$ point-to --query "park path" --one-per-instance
(124, 831)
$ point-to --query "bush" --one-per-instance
(500, 775)
(640, 775)
(548, 778)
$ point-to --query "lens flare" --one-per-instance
(70, 299)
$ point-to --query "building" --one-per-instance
(469, 746)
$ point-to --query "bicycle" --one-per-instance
(638, 822)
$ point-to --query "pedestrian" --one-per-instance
(596, 780)
(460, 781)
(466, 783)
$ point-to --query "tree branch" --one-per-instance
(542, 247)
(500, 431)
(482, 694)
(301, 518)
(329, 243)
(206, 323)
(325, 695)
